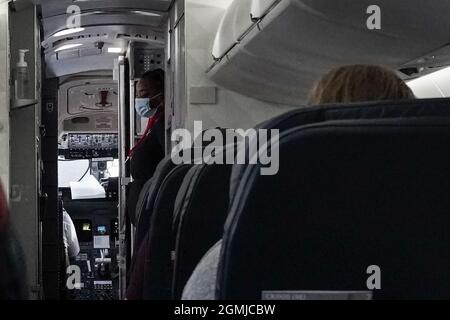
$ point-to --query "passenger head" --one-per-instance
(359, 83)
(150, 93)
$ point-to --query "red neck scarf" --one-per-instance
(150, 124)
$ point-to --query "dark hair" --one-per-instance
(155, 78)
(359, 83)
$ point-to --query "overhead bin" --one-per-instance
(261, 7)
(241, 17)
(278, 57)
(234, 25)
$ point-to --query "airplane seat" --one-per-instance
(141, 203)
(360, 204)
(199, 217)
(203, 278)
(148, 196)
(158, 264)
(144, 212)
(160, 203)
(316, 114)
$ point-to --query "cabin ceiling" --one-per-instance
(55, 7)
(107, 24)
(101, 12)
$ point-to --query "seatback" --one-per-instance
(158, 263)
(351, 196)
(282, 123)
(145, 212)
(199, 217)
(141, 202)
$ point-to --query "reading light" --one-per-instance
(66, 32)
(68, 46)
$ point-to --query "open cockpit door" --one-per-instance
(122, 76)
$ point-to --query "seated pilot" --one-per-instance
(71, 245)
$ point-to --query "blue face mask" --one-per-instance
(144, 106)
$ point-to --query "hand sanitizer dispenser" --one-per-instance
(21, 83)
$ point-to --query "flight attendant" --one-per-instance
(145, 157)
(149, 151)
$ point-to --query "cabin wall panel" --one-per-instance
(232, 109)
(25, 173)
(4, 97)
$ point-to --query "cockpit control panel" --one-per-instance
(87, 146)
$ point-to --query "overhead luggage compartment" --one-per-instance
(274, 50)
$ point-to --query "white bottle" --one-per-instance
(21, 83)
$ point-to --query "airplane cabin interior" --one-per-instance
(69, 76)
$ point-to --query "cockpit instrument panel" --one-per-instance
(88, 146)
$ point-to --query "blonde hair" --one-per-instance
(359, 83)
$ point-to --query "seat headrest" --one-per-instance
(357, 111)
(144, 213)
(367, 110)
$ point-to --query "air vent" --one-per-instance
(136, 36)
(81, 37)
